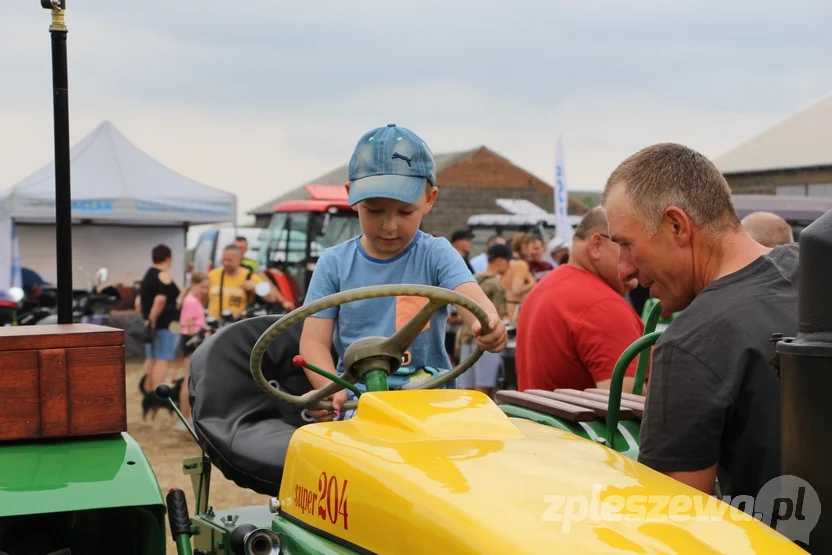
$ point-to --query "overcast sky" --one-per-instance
(258, 96)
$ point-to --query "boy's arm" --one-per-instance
(316, 348)
(316, 337)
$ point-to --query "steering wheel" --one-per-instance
(370, 353)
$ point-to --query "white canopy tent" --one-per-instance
(123, 204)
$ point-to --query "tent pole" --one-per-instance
(63, 195)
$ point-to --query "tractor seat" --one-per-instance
(599, 406)
(628, 400)
(245, 432)
(558, 409)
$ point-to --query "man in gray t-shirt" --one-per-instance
(713, 399)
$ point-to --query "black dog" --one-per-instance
(152, 402)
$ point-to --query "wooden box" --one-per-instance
(61, 381)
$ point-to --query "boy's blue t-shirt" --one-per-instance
(427, 261)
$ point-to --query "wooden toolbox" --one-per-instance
(60, 381)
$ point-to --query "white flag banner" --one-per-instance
(562, 227)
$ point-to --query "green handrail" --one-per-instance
(617, 383)
(644, 358)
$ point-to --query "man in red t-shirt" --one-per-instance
(575, 323)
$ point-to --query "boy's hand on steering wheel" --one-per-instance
(495, 340)
(337, 399)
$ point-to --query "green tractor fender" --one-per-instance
(97, 494)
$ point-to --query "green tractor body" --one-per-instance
(96, 495)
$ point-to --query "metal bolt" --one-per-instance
(230, 520)
(274, 505)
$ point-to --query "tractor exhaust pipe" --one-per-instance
(805, 365)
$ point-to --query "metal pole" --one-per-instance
(805, 363)
(63, 195)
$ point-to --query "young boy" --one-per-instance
(392, 186)
(483, 374)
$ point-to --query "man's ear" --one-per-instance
(594, 245)
(679, 224)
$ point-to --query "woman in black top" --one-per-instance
(158, 298)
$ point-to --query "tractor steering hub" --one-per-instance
(372, 353)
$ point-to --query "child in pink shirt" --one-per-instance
(191, 322)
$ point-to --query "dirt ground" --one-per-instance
(166, 447)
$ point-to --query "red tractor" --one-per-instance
(298, 233)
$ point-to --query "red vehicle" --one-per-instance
(298, 233)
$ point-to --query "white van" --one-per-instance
(207, 253)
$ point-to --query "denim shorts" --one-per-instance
(163, 347)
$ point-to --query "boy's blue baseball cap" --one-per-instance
(390, 162)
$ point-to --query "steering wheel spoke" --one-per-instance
(405, 337)
(315, 399)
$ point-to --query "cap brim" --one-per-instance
(397, 187)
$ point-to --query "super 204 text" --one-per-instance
(329, 502)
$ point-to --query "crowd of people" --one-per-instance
(174, 316)
(507, 272)
(574, 314)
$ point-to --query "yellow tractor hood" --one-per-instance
(445, 471)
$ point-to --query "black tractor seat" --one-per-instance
(245, 432)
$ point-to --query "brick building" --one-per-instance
(469, 182)
(792, 158)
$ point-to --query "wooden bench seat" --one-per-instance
(552, 407)
(628, 396)
(600, 407)
(636, 406)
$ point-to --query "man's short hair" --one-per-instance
(768, 229)
(595, 220)
(669, 174)
(499, 251)
(241, 238)
(461, 235)
(160, 253)
(233, 247)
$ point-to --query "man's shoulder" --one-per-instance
(765, 289)
(717, 325)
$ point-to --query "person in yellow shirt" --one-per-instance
(232, 285)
